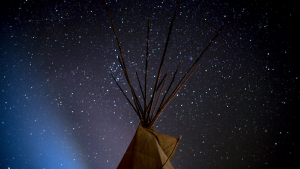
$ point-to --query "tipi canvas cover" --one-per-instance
(149, 150)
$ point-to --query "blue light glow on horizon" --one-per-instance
(39, 142)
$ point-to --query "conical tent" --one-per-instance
(149, 149)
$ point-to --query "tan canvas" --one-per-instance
(149, 150)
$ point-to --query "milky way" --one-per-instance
(60, 107)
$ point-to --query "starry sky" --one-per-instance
(60, 107)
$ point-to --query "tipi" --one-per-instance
(150, 149)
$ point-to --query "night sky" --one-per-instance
(60, 107)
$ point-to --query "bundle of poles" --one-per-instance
(149, 112)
